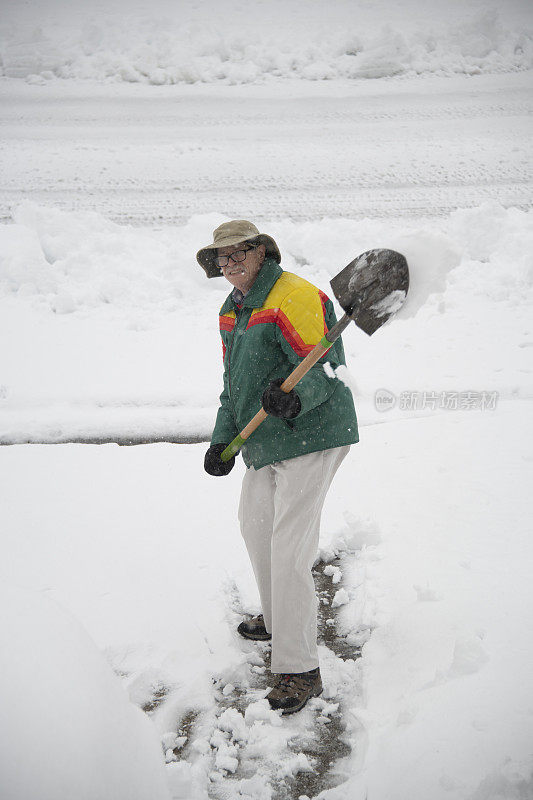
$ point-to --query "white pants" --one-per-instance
(279, 513)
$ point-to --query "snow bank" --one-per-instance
(205, 42)
(113, 330)
(436, 560)
(80, 263)
(69, 728)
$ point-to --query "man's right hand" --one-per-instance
(214, 465)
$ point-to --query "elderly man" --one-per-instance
(271, 320)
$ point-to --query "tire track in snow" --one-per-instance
(401, 153)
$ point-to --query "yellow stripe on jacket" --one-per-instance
(298, 309)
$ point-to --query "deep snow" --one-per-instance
(102, 345)
(202, 41)
(432, 519)
(68, 728)
(109, 188)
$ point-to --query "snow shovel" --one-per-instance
(370, 290)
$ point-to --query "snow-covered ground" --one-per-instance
(116, 166)
(431, 519)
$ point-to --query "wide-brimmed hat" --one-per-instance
(229, 233)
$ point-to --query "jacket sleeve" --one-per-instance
(301, 325)
(224, 430)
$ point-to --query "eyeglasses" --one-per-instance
(236, 257)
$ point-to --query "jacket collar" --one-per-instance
(267, 277)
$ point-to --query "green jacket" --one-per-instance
(281, 319)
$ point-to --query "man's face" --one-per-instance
(242, 274)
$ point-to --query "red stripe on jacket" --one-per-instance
(324, 298)
(226, 323)
(277, 317)
(290, 333)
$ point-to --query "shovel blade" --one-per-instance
(372, 287)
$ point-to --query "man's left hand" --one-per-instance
(279, 403)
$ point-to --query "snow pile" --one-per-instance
(78, 262)
(445, 705)
(81, 261)
(69, 729)
(205, 42)
(113, 329)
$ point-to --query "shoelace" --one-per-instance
(288, 680)
(285, 683)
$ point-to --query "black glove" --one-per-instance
(279, 403)
(214, 465)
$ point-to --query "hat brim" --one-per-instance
(206, 256)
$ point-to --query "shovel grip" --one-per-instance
(288, 385)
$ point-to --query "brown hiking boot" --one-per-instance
(254, 628)
(293, 690)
